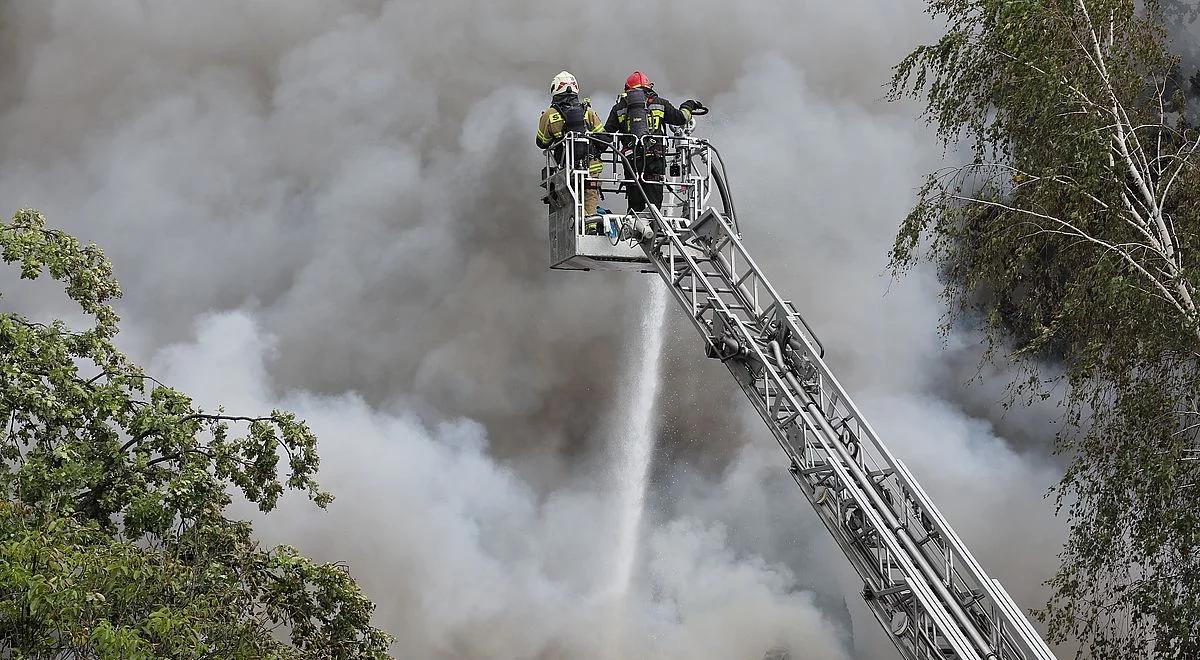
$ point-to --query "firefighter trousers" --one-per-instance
(652, 169)
(591, 195)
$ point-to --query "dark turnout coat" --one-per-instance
(659, 113)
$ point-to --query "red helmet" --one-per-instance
(637, 79)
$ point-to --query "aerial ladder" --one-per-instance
(919, 580)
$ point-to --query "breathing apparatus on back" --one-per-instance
(564, 90)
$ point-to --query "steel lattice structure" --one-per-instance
(920, 581)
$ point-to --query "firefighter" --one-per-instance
(570, 114)
(643, 114)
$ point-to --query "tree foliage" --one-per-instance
(114, 541)
(1072, 234)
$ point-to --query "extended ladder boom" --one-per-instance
(921, 582)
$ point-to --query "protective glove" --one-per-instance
(694, 108)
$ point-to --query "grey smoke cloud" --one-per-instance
(333, 206)
(466, 560)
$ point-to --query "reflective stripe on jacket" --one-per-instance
(659, 111)
(551, 123)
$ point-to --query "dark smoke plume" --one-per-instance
(332, 206)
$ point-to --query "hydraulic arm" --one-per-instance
(919, 579)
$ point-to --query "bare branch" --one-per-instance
(1124, 255)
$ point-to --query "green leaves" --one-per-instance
(1072, 238)
(86, 273)
(113, 536)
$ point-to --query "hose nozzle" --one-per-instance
(636, 228)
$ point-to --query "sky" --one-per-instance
(332, 206)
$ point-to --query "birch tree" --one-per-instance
(1070, 233)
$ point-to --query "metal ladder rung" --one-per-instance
(767, 312)
(776, 399)
(893, 589)
(971, 597)
(823, 468)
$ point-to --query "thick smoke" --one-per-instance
(466, 560)
(332, 206)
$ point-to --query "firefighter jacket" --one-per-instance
(552, 125)
(659, 112)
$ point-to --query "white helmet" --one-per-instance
(563, 82)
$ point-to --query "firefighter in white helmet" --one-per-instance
(570, 114)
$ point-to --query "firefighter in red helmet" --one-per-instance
(641, 113)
